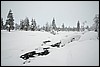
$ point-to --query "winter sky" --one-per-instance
(67, 12)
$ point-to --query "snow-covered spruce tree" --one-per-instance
(33, 25)
(78, 26)
(2, 23)
(53, 24)
(10, 21)
(63, 27)
(43, 28)
(21, 24)
(73, 28)
(50, 27)
(38, 28)
(87, 28)
(69, 28)
(53, 27)
(26, 24)
(66, 28)
(47, 27)
(16, 26)
(96, 20)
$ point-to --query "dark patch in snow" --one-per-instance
(62, 45)
(28, 55)
(72, 39)
(45, 50)
(33, 54)
(56, 44)
(46, 41)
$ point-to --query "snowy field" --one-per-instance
(83, 50)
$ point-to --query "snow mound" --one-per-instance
(84, 53)
(69, 39)
(91, 35)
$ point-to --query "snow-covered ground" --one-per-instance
(83, 50)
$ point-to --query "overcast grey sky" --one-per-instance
(67, 12)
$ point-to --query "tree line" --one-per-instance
(24, 25)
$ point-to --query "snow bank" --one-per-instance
(82, 51)
(89, 36)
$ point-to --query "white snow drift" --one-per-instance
(79, 50)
